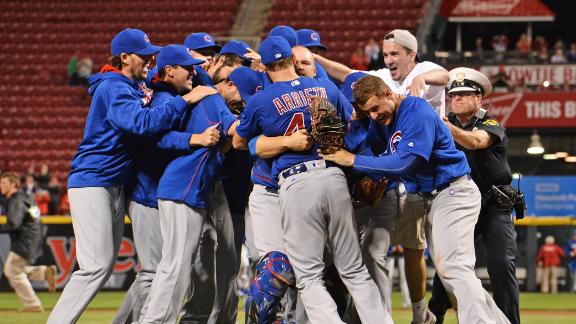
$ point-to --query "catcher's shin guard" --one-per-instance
(274, 275)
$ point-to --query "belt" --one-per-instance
(302, 167)
(435, 192)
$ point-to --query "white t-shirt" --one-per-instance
(435, 95)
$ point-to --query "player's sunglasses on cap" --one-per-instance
(176, 55)
(133, 41)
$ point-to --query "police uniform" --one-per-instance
(491, 173)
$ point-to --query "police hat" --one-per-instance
(466, 79)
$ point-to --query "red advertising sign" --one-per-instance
(535, 74)
(525, 109)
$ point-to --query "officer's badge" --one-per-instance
(460, 76)
(490, 122)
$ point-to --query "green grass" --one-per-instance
(536, 309)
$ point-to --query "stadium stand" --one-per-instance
(345, 24)
(41, 117)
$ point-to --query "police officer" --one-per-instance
(485, 143)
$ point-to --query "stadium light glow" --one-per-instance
(550, 157)
(562, 155)
(570, 159)
(535, 144)
(546, 84)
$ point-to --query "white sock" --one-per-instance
(419, 311)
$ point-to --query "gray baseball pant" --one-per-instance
(98, 222)
(317, 209)
(181, 228)
(148, 242)
(452, 220)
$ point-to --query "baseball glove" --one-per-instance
(328, 129)
(368, 192)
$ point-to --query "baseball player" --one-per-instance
(104, 163)
(406, 75)
(375, 223)
(310, 39)
(235, 179)
(143, 205)
(421, 152)
(293, 39)
(314, 199)
(304, 62)
(484, 141)
(265, 218)
(188, 193)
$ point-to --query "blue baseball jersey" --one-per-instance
(105, 156)
(189, 177)
(283, 108)
(416, 130)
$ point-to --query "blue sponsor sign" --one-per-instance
(548, 196)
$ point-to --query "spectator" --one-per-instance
(540, 47)
(572, 53)
(30, 185)
(43, 177)
(25, 230)
(73, 71)
(30, 171)
(570, 250)
(479, 48)
(499, 44)
(64, 208)
(358, 61)
(539, 44)
(374, 54)
(558, 57)
(84, 69)
(42, 198)
(560, 45)
(55, 191)
(524, 45)
(501, 81)
(549, 258)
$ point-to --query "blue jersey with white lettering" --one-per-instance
(190, 176)
(417, 130)
(283, 108)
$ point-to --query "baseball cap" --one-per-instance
(196, 41)
(274, 48)
(404, 38)
(176, 55)
(309, 38)
(236, 47)
(135, 41)
(347, 88)
(287, 32)
(466, 79)
(246, 81)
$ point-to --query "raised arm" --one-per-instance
(334, 69)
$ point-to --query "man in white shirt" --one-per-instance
(406, 74)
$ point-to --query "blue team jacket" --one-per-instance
(190, 176)
(154, 154)
(106, 154)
